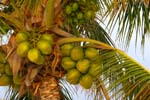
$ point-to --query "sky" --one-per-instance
(136, 53)
(3, 90)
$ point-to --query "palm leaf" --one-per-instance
(95, 31)
(121, 76)
(131, 15)
(66, 90)
(9, 18)
(49, 14)
(124, 77)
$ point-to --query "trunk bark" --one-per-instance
(49, 89)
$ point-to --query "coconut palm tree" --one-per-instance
(51, 40)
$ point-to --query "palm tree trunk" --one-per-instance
(49, 89)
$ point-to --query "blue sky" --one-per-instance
(136, 53)
(2, 92)
(133, 51)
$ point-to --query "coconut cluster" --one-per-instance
(81, 64)
(6, 75)
(35, 47)
(78, 11)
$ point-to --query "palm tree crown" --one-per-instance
(57, 44)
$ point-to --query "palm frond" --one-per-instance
(123, 77)
(130, 15)
(95, 31)
(66, 90)
(11, 20)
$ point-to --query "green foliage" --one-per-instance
(118, 76)
(131, 16)
(124, 77)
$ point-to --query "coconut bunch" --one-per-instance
(32, 53)
(34, 47)
(5, 72)
(6, 75)
(81, 63)
(80, 11)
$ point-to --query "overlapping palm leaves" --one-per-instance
(132, 16)
(121, 76)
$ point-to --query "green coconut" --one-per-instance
(5, 80)
(35, 56)
(83, 65)
(67, 63)
(21, 36)
(47, 37)
(23, 48)
(17, 80)
(2, 57)
(91, 53)
(73, 76)
(8, 70)
(94, 70)
(44, 46)
(66, 49)
(86, 81)
(77, 53)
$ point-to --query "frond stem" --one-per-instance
(104, 89)
(73, 39)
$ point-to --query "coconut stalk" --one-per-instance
(48, 19)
